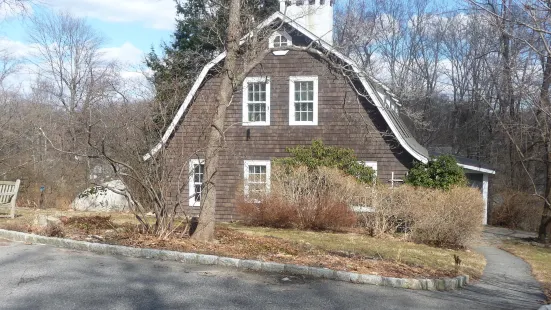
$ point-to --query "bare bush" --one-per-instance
(518, 210)
(445, 218)
(384, 214)
(303, 199)
(435, 217)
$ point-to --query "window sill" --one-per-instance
(256, 124)
(303, 123)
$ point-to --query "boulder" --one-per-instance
(103, 198)
(43, 221)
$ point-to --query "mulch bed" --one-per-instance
(233, 243)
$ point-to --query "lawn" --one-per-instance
(539, 259)
(342, 251)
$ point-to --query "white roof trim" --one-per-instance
(363, 79)
(170, 129)
(475, 168)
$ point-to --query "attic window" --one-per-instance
(278, 40)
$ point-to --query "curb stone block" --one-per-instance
(450, 284)
(190, 258)
(467, 278)
(296, 269)
(354, 277)
(149, 253)
(250, 264)
(460, 281)
(325, 273)
(414, 284)
(228, 262)
(207, 259)
(343, 276)
(273, 267)
(169, 255)
(431, 284)
(370, 279)
(393, 282)
(440, 284)
(347, 276)
(98, 248)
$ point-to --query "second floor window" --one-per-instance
(303, 101)
(256, 101)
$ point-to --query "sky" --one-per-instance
(130, 27)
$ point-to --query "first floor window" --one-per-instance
(257, 178)
(303, 100)
(196, 177)
(373, 165)
(256, 101)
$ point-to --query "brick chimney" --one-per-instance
(314, 15)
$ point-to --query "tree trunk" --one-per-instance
(546, 214)
(545, 106)
(205, 226)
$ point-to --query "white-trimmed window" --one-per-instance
(196, 179)
(372, 165)
(257, 177)
(256, 101)
(280, 39)
(303, 100)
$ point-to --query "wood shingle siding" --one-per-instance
(344, 119)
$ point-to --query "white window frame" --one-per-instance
(372, 165)
(275, 35)
(292, 81)
(245, 105)
(192, 164)
(246, 165)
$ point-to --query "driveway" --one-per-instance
(36, 276)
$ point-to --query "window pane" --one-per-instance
(257, 101)
(198, 175)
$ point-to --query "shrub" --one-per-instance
(318, 155)
(517, 210)
(304, 199)
(436, 217)
(445, 218)
(441, 172)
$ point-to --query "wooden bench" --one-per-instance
(8, 195)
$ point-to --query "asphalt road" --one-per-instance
(43, 277)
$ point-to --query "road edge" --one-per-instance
(443, 284)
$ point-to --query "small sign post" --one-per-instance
(41, 201)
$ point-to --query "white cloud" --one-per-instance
(127, 54)
(158, 14)
(14, 49)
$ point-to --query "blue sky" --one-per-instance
(130, 27)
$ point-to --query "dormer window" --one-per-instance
(280, 39)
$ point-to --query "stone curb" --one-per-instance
(202, 259)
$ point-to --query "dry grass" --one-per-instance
(415, 259)
(539, 259)
(341, 251)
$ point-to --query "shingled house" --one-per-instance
(291, 98)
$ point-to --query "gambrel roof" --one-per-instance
(385, 101)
